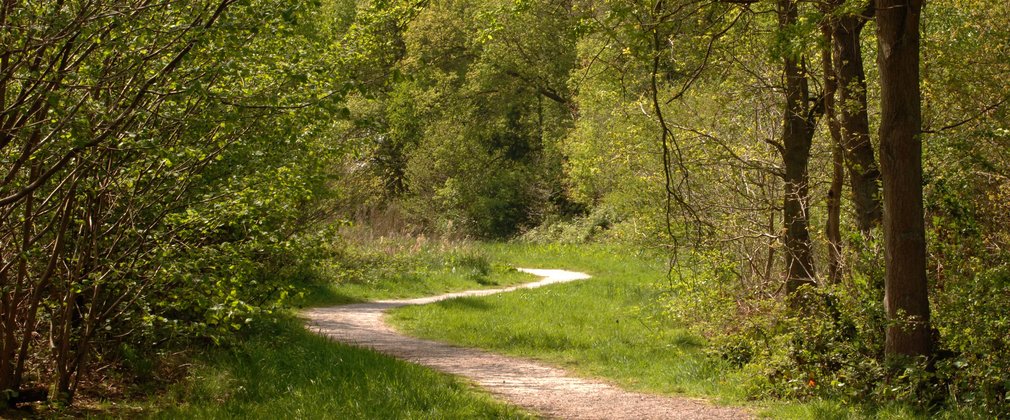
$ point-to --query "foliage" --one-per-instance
(460, 136)
(975, 328)
(163, 164)
(594, 227)
(168, 170)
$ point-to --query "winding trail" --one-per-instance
(545, 390)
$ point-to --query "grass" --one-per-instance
(402, 268)
(283, 371)
(603, 327)
(607, 327)
(280, 370)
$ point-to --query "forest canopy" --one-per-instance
(830, 179)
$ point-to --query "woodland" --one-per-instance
(827, 182)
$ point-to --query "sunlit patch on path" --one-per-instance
(545, 390)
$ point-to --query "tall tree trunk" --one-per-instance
(833, 228)
(906, 294)
(14, 300)
(797, 135)
(863, 172)
(8, 334)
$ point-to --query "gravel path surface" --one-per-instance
(545, 390)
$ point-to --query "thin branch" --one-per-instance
(977, 116)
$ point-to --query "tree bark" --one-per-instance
(834, 202)
(859, 158)
(906, 294)
(797, 135)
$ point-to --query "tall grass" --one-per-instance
(403, 267)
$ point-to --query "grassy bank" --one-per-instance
(405, 268)
(283, 371)
(607, 327)
(603, 327)
(278, 369)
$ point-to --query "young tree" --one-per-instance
(834, 202)
(797, 137)
(139, 142)
(847, 27)
(906, 294)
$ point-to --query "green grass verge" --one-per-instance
(602, 327)
(606, 327)
(283, 371)
(404, 268)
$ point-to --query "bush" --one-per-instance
(973, 321)
(476, 265)
(834, 349)
(593, 227)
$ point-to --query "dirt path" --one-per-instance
(545, 390)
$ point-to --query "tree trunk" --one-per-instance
(906, 294)
(797, 135)
(8, 331)
(863, 172)
(833, 228)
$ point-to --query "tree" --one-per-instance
(906, 295)
(77, 85)
(797, 136)
(846, 29)
(153, 160)
(834, 202)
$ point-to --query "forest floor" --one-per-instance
(545, 390)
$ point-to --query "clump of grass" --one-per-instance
(284, 371)
(476, 266)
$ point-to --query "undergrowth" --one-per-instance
(274, 368)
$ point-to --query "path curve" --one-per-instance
(545, 390)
